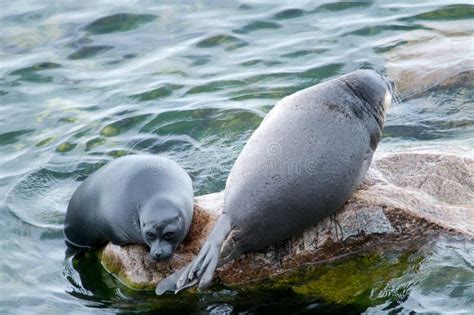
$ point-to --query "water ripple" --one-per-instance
(40, 198)
(81, 85)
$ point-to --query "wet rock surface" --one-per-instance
(405, 196)
(448, 66)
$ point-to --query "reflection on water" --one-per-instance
(81, 85)
(442, 283)
(394, 278)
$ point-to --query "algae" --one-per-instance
(120, 22)
(122, 125)
(355, 282)
(115, 268)
(97, 141)
(203, 123)
(89, 51)
(118, 153)
(450, 12)
(228, 42)
(157, 93)
(13, 136)
(66, 147)
(360, 281)
(45, 142)
(30, 74)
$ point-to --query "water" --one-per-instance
(83, 83)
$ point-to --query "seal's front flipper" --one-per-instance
(170, 283)
(201, 269)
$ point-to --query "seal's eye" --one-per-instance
(168, 235)
(150, 235)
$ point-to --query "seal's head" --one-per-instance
(372, 89)
(163, 227)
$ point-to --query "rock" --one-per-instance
(133, 266)
(438, 58)
(405, 195)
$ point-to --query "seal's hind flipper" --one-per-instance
(201, 269)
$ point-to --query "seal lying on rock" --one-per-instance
(300, 165)
(137, 199)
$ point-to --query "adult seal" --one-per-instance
(137, 199)
(301, 164)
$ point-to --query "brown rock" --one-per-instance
(134, 267)
(405, 196)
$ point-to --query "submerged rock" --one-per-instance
(405, 196)
(429, 59)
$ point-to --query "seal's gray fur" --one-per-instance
(137, 199)
(301, 164)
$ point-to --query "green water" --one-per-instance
(84, 82)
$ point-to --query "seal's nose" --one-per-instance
(156, 255)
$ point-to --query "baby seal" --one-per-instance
(299, 166)
(137, 199)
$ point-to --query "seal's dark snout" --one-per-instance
(157, 255)
(160, 255)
